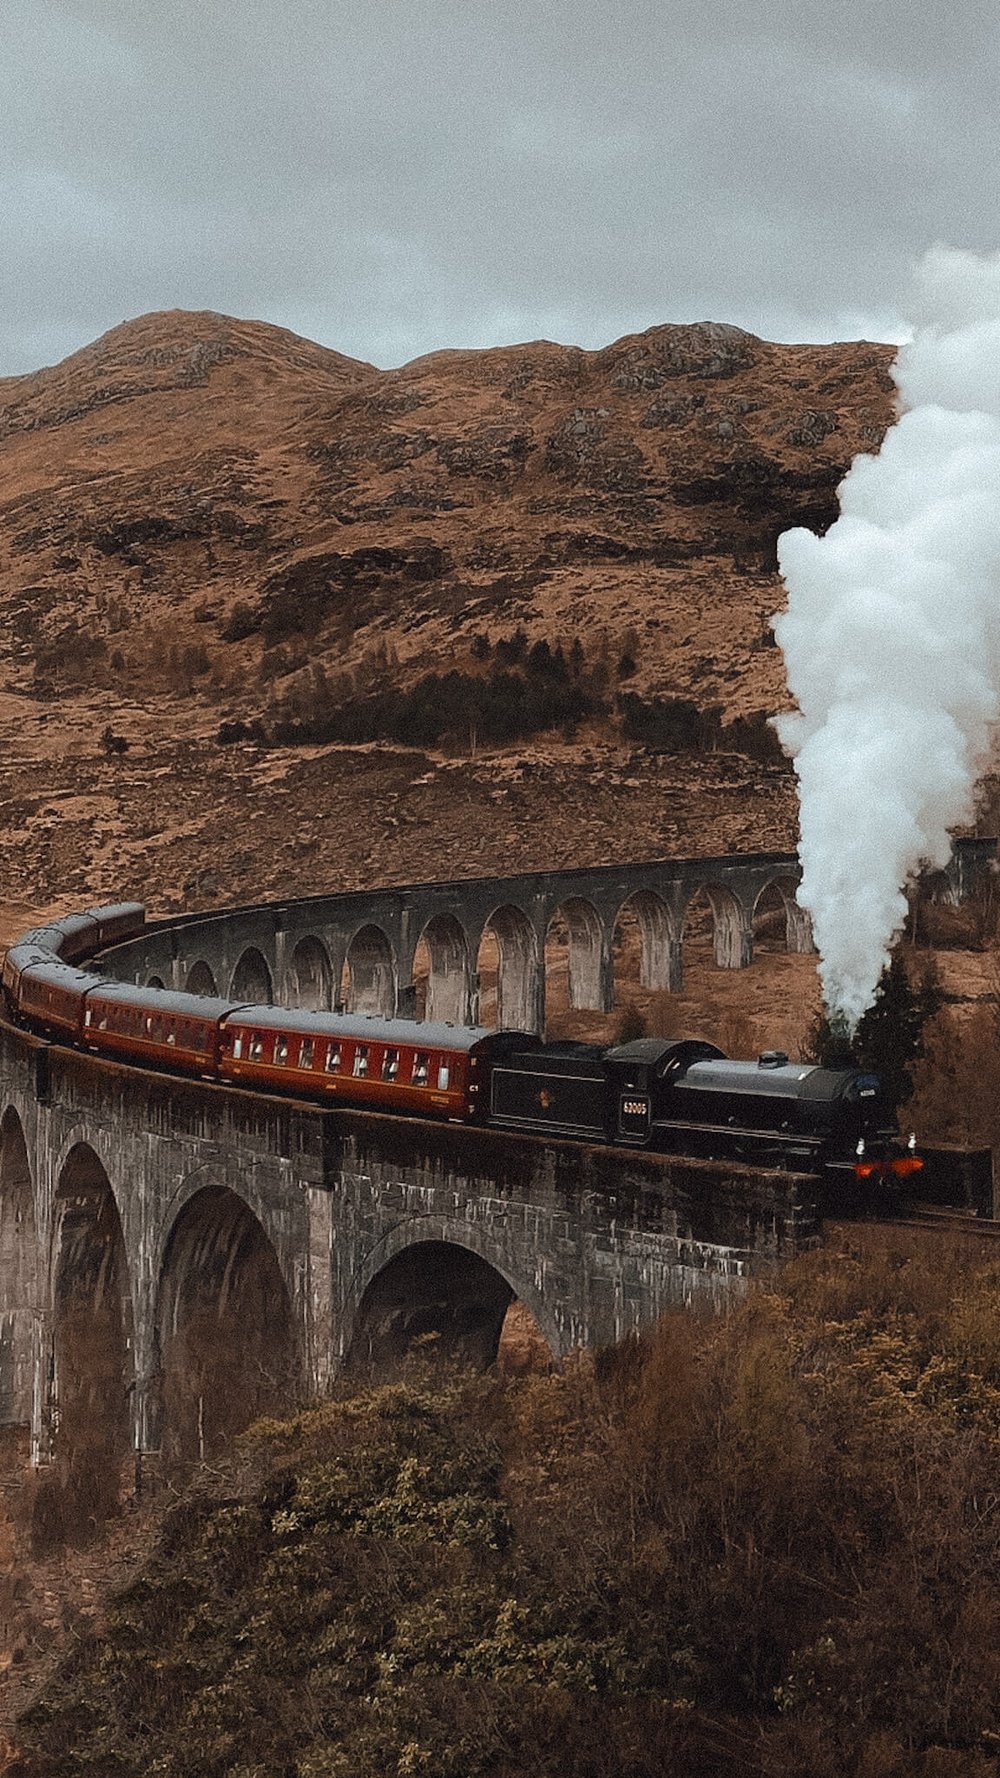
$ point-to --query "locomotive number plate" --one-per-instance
(634, 1107)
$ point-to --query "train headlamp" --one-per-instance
(906, 1164)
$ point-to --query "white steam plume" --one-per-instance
(892, 634)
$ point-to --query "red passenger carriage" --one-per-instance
(396, 1065)
(155, 1026)
(52, 997)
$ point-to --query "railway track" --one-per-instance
(943, 1220)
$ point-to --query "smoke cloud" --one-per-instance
(892, 634)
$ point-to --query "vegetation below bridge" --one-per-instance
(765, 1544)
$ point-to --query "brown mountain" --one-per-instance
(184, 463)
(197, 513)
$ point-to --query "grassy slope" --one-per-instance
(768, 1543)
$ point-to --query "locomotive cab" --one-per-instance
(637, 1073)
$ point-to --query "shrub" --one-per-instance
(242, 621)
(765, 1542)
(666, 725)
(232, 729)
(631, 1025)
(890, 1035)
(511, 650)
(502, 706)
(679, 725)
(112, 745)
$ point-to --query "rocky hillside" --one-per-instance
(188, 466)
(204, 519)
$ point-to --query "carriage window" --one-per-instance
(237, 1046)
(390, 1065)
(256, 1050)
(361, 1060)
(281, 1050)
(306, 1049)
(421, 1062)
(171, 1035)
(332, 1058)
(102, 1024)
(444, 1075)
(88, 1016)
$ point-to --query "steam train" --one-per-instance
(682, 1096)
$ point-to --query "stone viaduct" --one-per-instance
(372, 950)
(177, 1256)
(362, 951)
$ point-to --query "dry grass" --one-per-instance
(762, 1543)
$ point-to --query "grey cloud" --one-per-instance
(422, 173)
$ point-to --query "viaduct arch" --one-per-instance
(474, 949)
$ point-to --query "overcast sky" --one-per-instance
(394, 176)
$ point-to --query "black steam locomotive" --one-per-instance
(685, 1096)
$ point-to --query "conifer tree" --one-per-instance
(889, 1037)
